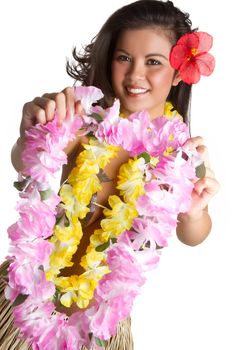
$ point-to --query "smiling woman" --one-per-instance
(177, 291)
(141, 73)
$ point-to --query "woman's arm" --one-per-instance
(193, 230)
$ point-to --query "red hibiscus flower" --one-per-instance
(191, 58)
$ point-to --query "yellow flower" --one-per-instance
(102, 152)
(95, 264)
(92, 259)
(78, 289)
(99, 237)
(170, 112)
(120, 217)
(168, 151)
(68, 298)
(61, 256)
(130, 183)
(86, 166)
(84, 190)
(71, 203)
(154, 161)
(73, 232)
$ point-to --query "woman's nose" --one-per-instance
(136, 71)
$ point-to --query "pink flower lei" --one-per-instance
(167, 192)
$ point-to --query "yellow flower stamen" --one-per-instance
(194, 51)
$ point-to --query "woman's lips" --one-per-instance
(135, 91)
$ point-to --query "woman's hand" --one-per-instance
(206, 187)
(42, 109)
(195, 225)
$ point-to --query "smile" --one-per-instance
(136, 91)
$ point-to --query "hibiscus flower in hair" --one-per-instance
(191, 58)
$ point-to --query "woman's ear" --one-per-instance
(176, 79)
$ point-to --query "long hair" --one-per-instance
(93, 66)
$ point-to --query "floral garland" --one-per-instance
(155, 185)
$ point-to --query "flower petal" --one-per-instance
(178, 55)
(189, 40)
(206, 63)
(205, 41)
(189, 72)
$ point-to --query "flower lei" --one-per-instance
(154, 186)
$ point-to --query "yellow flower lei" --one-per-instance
(76, 195)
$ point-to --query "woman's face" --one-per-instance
(141, 73)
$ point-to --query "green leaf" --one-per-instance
(102, 343)
(58, 220)
(18, 185)
(103, 246)
(45, 194)
(146, 156)
(21, 185)
(66, 221)
(90, 134)
(97, 117)
(56, 295)
(63, 220)
(200, 171)
(113, 240)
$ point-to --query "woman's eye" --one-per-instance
(123, 58)
(153, 62)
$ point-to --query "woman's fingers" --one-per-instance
(208, 186)
(194, 142)
(69, 100)
(198, 144)
(42, 109)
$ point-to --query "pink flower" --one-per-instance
(87, 95)
(37, 251)
(26, 230)
(148, 230)
(176, 174)
(43, 155)
(31, 317)
(141, 127)
(37, 220)
(21, 279)
(48, 330)
(116, 291)
(191, 58)
(160, 198)
(148, 257)
(166, 134)
(28, 279)
(107, 128)
(57, 334)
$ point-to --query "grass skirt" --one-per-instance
(9, 335)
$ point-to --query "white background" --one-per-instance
(188, 302)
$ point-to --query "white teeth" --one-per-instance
(136, 91)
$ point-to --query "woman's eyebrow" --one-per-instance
(148, 55)
(157, 54)
(121, 50)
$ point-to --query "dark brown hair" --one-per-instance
(93, 66)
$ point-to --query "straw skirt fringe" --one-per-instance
(9, 335)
